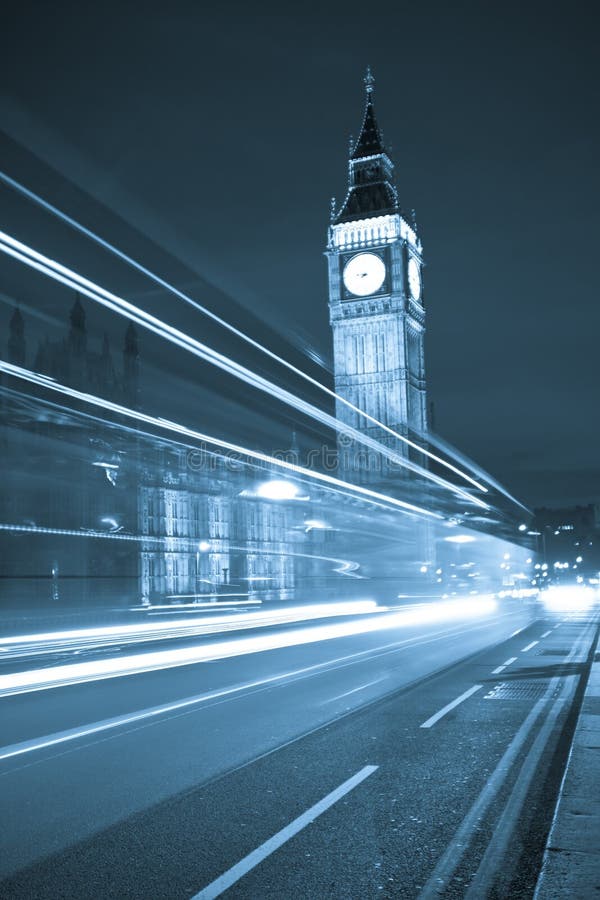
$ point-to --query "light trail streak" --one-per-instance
(213, 594)
(216, 603)
(15, 185)
(159, 422)
(463, 459)
(342, 566)
(137, 431)
(18, 646)
(346, 567)
(336, 663)
(115, 667)
(58, 272)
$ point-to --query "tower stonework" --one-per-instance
(376, 308)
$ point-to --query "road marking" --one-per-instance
(446, 709)
(558, 626)
(471, 825)
(529, 646)
(458, 846)
(354, 690)
(504, 665)
(179, 707)
(506, 827)
(518, 631)
(546, 633)
(225, 881)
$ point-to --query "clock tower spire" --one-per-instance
(376, 307)
(371, 187)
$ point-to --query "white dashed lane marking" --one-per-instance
(504, 665)
(225, 881)
(446, 709)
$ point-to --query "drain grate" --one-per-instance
(553, 653)
(518, 690)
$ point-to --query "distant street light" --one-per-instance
(316, 524)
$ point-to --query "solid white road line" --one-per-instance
(225, 881)
(355, 690)
(504, 665)
(446, 709)
(471, 825)
(529, 646)
(72, 734)
(458, 846)
(546, 633)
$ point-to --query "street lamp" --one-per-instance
(278, 489)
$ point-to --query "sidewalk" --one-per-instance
(571, 866)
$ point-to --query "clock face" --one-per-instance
(414, 278)
(364, 274)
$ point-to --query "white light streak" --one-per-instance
(94, 670)
(159, 422)
(222, 322)
(145, 631)
(343, 566)
(58, 272)
(215, 604)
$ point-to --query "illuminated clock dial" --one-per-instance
(414, 278)
(364, 274)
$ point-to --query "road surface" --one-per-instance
(412, 762)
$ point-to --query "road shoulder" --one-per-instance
(571, 865)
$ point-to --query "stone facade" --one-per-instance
(98, 510)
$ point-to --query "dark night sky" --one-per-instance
(221, 132)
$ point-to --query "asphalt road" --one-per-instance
(342, 769)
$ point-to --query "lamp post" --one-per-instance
(55, 594)
(203, 547)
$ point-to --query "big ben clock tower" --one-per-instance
(376, 308)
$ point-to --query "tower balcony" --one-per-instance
(372, 232)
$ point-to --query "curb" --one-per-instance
(571, 863)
